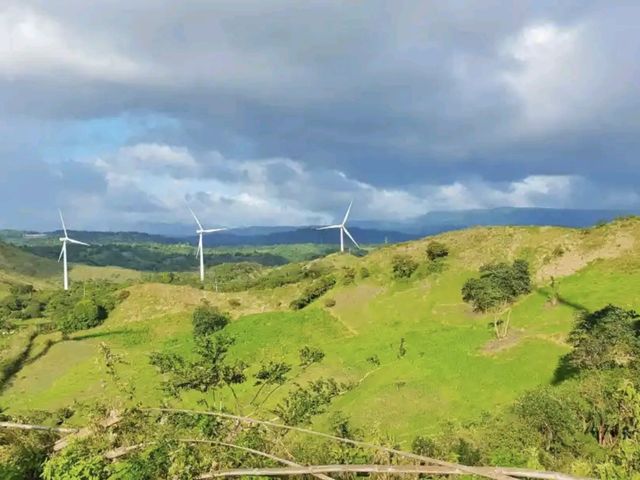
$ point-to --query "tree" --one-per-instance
(436, 250)
(85, 314)
(207, 319)
(310, 355)
(499, 284)
(270, 374)
(314, 291)
(403, 266)
(208, 372)
(604, 339)
(550, 415)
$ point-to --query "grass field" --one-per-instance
(453, 368)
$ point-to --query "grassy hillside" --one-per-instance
(20, 266)
(453, 368)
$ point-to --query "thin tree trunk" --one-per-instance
(389, 469)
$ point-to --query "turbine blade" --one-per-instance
(346, 215)
(329, 227)
(78, 242)
(195, 218)
(211, 230)
(349, 235)
(64, 244)
(64, 228)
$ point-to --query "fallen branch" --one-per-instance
(111, 420)
(121, 451)
(256, 452)
(24, 426)
(463, 468)
(390, 469)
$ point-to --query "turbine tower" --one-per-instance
(63, 252)
(201, 231)
(343, 229)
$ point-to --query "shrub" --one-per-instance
(436, 250)
(605, 339)
(313, 292)
(234, 302)
(349, 275)
(374, 360)
(548, 414)
(330, 302)
(207, 319)
(403, 266)
(22, 289)
(85, 314)
(364, 272)
(310, 355)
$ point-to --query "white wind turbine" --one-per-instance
(343, 229)
(201, 231)
(63, 252)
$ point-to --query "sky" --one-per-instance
(280, 112)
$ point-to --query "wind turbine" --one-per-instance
(343, 229)
(63, 252)
(201, 231)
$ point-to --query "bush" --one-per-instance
(436, 250)
(310, 355)
(330, 302)
(313, 292)
(605, 339)
(364, 272)
(207, 319)
(85, 314)
(21, 289)
(403, 266)
(234, 302)
(349, 275)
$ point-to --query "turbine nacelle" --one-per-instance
(343, 229)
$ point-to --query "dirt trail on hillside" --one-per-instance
(577, 258)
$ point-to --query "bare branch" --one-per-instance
(24, 426)
(111, 420)
(391, 469)
(463, 468)
(256, 452)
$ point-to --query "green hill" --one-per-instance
(450, 366)
(18, 266)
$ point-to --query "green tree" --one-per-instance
(85, 314)
(208, 372)
(207, 319)
(403, 266)
(310, 355)
(607, 338)
(436, 250)
(314, 291)
(498, 284)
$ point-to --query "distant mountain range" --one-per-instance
(440, 221)
(366, 232)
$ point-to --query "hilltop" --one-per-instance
(452, 367)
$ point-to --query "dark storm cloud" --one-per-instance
(447, 102)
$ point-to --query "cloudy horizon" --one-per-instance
(280, 112)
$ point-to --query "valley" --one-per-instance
(453, 369)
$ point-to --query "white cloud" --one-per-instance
(32, 43)
(284, 191)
